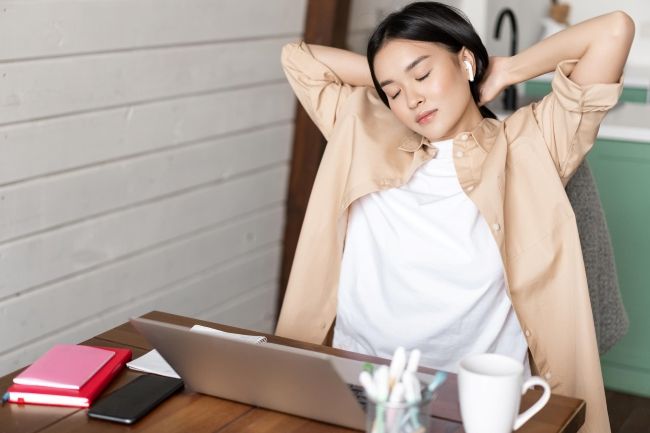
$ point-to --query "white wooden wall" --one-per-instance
(364, 17)
(144, 149)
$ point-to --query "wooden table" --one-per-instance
(197, 413)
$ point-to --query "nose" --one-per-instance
(414, 99)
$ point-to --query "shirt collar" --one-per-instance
(485, 130)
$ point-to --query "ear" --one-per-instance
(466, 55)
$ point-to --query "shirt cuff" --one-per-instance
(578, 98)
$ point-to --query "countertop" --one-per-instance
(633, 76)
(627, 121)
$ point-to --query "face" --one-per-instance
(427, 87)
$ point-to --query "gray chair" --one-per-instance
(610, 318)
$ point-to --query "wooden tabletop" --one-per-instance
(197, 413)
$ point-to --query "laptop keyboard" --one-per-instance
(360, 394)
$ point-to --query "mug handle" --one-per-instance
(539, 404)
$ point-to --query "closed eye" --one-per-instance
(417, 79)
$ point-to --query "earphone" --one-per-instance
(470, 72)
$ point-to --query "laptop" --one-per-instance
(295, 381)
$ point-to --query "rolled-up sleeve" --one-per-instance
(570, 116)
(317, 87)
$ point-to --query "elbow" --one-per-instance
(622, 28)
(285, 54)
(287, 51)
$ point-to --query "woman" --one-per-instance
(433, 225)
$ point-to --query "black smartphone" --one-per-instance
(135, 399)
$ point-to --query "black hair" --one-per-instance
(432, 22)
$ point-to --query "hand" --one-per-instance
(496, 79)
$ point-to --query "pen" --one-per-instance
(411, 387)
(381, 384)
(366, 381)
(381, 380)
(397, 365)
(438, 379)
(397, 393)
(411, 395)
(414, 360)
(392, 413)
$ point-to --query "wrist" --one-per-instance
(512, 73)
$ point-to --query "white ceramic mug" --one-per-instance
(490, 387)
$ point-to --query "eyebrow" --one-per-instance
(411, 65)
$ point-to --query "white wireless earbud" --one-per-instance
(470, 72)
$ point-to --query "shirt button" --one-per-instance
(496, 228)
(459, 154)
(527, 332)
(464, 137)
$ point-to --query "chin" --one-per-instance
(435, 133)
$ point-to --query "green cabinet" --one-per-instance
(634, 94)
(539, 88)
(622, 173)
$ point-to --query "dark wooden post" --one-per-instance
(326, 23)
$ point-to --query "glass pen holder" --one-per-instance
(402, 417)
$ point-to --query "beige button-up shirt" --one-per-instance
(513, 170)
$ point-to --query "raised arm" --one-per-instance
(351, 68)
(588, 60)
(600, 45)
(323, 78)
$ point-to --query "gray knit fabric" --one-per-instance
(610, 318)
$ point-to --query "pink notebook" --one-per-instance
(66, 366)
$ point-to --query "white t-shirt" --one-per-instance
(420, 269)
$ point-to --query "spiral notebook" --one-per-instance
(153, 362)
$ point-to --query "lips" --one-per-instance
(425, 116)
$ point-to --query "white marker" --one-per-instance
(397, 365)
(366, 381)
(381, 383)
(414, 361)
(397, 394)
